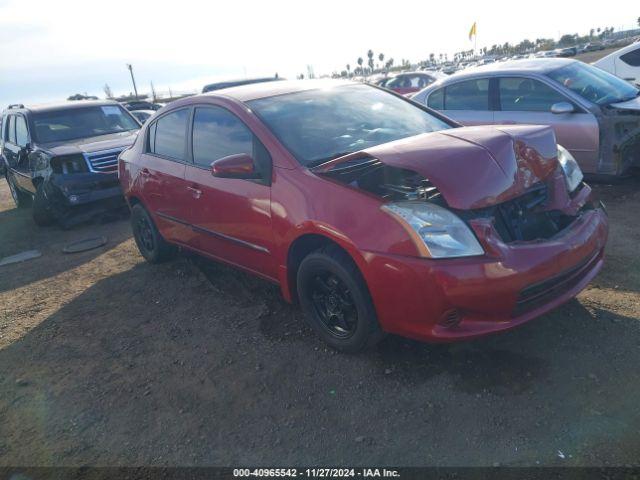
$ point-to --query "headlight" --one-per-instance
(69, 164)
(437, 232)
(572, 173)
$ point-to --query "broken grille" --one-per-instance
(524, 218)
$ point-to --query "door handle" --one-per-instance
(197, 193)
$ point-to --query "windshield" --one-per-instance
(593, 84)
(318, 125)
(81, 122)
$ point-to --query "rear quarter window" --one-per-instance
(436, 100)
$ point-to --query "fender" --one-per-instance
(320, 229)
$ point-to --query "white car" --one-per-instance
(624, 63)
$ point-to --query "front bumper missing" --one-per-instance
(79, 197)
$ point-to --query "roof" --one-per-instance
(523, 66)
(245, 93)
(69, 104)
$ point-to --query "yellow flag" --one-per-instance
(472, 32)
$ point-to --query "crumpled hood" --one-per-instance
(92, 144)
(473, 167)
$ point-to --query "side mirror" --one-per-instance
(561, 108)
(239, 166)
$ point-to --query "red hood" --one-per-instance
(473, 167)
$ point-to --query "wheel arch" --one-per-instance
(305, 244)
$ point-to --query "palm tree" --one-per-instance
(639, 21)
(370, 62)
(381, 58)
(348, 70)
(360, 62)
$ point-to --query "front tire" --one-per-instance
(20, 198)
(152, 246)
(336, 300)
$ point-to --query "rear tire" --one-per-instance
(20, 198)
(336, 300)
(42, 213)
(152, 246)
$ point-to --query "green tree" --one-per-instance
(360, 62)
(370, 62)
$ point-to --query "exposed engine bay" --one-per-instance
(525, 218)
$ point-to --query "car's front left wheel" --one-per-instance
(152, 246)
(336, 300)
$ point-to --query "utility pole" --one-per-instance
(135, 89)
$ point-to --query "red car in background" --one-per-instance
(411, 82)
(378, 215)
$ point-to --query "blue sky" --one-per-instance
(52, 49)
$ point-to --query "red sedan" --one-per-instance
(377, 214)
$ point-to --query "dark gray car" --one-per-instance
(596, 116)
(62, 159)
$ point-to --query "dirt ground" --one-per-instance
(107, 360)
(590, 57)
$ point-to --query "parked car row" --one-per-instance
(376, 212)
(595, 115)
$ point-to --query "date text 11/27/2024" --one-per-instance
(316, 472)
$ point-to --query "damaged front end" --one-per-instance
(506, 184)
(73, 190)
(619, 139)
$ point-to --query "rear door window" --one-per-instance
(467, 95)
(169, 138)
(11, 129)
(632, 58)
(519, 94)
(22, 134)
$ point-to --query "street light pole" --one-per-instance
(135, 89)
